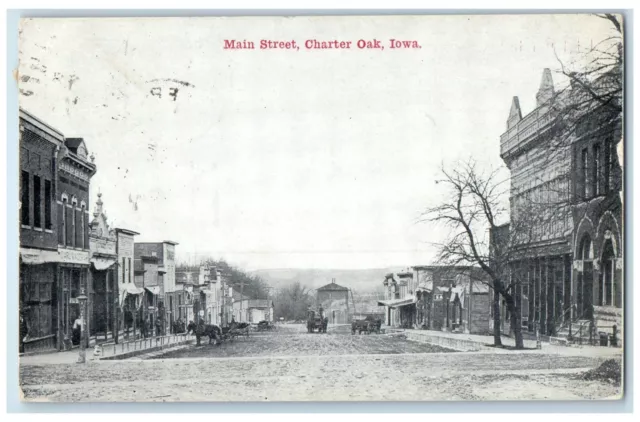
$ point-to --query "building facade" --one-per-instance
(129, 295)
(75, 170)
(146, 278)
(55, 174)
(39, 285)
(567, 185)
(103, 290)
(166, 304)
(450, 298)
(334, 300)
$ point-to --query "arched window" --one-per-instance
(74, 229)
(586, 249)
(607, 266)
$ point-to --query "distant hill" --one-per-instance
(359, 281)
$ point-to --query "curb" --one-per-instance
(135, 353)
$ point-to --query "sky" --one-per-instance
(280, 158)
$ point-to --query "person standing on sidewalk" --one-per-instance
(24, 328)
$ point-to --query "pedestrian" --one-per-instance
(158, 327)
(76, 330)
(24, 328)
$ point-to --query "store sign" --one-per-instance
(70, 256)
(38, 256)
(102, 246)
(125, 245)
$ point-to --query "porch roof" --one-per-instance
(396, 303)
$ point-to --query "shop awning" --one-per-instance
(130, 288)
(38, 256)
(127, 289)
(102, 263)
(396, 303)
(155, 290)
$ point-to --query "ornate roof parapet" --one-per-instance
(99, 226)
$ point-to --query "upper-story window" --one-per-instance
(83, 206)
(65, 200)
(37, 202)
(74, 225)
(48, 198)
(598, 179)
(25, 205)
(595, 176)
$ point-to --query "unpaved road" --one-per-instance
(292, 366)
(292, 341)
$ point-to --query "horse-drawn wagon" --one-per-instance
(368, 325)
(317, 322)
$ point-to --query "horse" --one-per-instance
(209, 330)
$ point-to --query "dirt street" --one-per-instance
(290, 365)
(292, 341)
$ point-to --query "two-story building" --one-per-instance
(75, 170)
(146, 278)
(103, 292)
(567, 185)
(39, 285)
(129, 295)
(334, 300)
(55, 174)
(438, 298)
(164, 291)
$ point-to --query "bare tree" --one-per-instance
(473, 207)
(292, 301)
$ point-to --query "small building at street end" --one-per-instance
(252, 310)
(448, 298)
(334, 300)
(568, 269)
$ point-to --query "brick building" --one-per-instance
(75, 169)
(569, 267)
(55, 174)
(39, 145)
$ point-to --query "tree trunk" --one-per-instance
(515, 319)
(497, 340)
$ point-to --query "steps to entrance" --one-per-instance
(605, 319)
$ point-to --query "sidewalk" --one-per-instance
(56, 358)
(474, 342)
(123, 349)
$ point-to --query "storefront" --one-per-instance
(130, 300)
(38, 299)
(104, 306)
(73, 273)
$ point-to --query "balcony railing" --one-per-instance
(532, 124)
